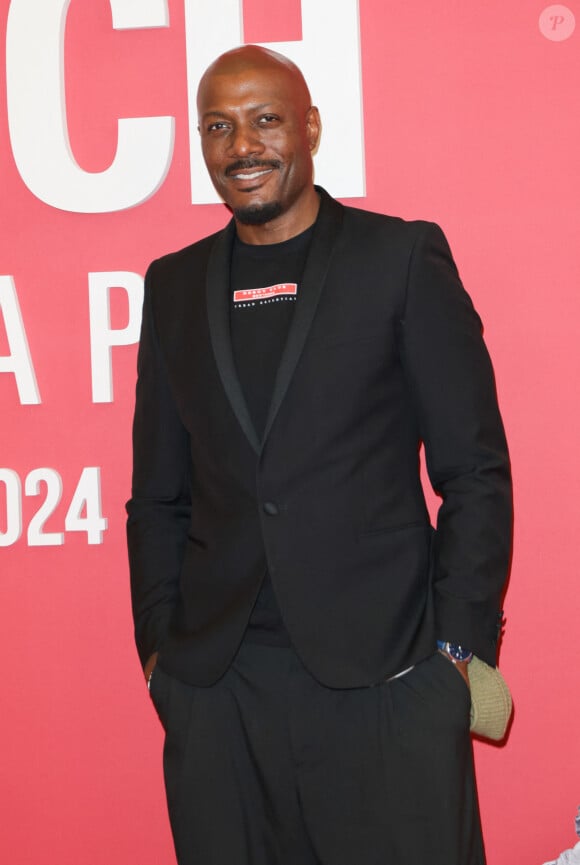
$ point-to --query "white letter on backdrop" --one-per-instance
(103, 337)
(329, 57)
(37, 114)
(18, 361)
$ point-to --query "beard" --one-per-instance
(258, 214)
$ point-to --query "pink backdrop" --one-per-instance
(470, 119)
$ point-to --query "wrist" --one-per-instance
(455, 652)
(149, 667)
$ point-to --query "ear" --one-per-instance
(313, 127)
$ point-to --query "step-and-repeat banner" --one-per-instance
(463, 113)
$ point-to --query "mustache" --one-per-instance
(246, 164)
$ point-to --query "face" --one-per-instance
(258, 131)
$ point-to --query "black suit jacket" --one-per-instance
(385, 351)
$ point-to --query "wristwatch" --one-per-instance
(454, 651)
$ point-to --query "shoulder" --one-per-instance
(195, 255)
(387, 226)
(389, 239)
(373, 233)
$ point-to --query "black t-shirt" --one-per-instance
(265, 287)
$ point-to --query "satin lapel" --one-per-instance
(326, 232)
(217, 288)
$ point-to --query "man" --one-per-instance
(288, 591)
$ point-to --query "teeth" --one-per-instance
(251, 176)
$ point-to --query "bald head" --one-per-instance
(254, 58)
(258, 132)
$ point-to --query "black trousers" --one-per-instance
(269, 767)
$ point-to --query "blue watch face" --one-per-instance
(457, 652)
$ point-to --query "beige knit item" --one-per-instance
(491, 701)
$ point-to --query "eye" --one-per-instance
(217, 126)
(268, 119)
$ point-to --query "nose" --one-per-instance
(245, 141)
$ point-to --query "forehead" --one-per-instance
(225, 90)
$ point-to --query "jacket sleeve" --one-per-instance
(160, 504)
(453, 389)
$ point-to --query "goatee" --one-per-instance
(258, 214)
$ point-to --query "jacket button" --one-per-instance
(271, 509)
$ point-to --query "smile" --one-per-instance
(253, 175)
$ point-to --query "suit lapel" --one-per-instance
(324, 238)
(218, 310)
